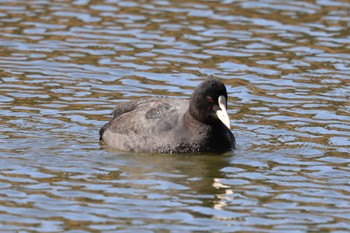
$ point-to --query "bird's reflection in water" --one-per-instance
(195, 178)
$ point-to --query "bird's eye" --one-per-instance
(210, 99)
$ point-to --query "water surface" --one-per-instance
(64, 65)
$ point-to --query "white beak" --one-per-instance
(222, 113)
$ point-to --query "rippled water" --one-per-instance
(64, 65)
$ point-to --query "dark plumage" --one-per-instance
(169, 125)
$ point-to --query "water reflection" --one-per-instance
(65, 65)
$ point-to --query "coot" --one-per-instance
(169, 125)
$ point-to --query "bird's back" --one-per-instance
(145, 125)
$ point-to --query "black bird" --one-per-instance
(169, 125)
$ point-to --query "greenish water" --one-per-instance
(64, 65)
